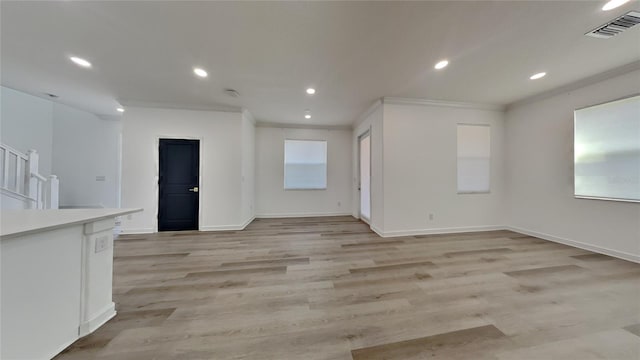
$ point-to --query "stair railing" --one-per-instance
(19, 178)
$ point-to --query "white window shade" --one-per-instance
(607, 151)
(474, 158)
(305, 164)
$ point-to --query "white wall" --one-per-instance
(271, 198)
(26, 122)
(248, 167)
(540, 175)
(84, 147)
(73, 144)
(220, 164)
(420, 149)
(371, 121)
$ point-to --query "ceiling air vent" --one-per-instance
(616, 26)
(232, 93)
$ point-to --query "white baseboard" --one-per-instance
(377, 231)
(92, 325)
(249, 221)
(227, 227)
(602, 250)
(434, 231)
(60, 349)
(202, 228)
(136, 231)
(294, 215)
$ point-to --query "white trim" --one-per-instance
(366, 133)
(302, 126)
(602, 250)
(136, 231)
(377, 231)
(295, 215)
(370, 110)
(624, 69)
(92, 325)
(247, 114)
(174, 106)
(202, 228)
(453, 104)
(222, 227)
(246, 223)
(61, 348)
(15, 195)
(434, 231)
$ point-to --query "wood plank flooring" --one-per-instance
(328, 288)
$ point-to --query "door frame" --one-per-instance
(364, 134)
(156, 178)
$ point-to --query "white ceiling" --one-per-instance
(352, 52)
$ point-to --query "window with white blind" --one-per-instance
(305, 164)
(474, 159)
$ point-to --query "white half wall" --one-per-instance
(539, 159)
(420, 172)
(220, 164)
(271, 198)
(26, 122)
(86, 158)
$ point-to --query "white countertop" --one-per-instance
(22, 222)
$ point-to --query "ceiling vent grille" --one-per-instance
(616, 26)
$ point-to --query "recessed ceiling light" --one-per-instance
(307, 116)
(80, 61)
(442, 64)
(120, 109)
(200, 72)
(537, 76)
(614, 4)
(311, 91)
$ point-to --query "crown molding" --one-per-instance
(609, 74)
(247, 114)
(376, 104)
(302, 126)
(176, 106)
(443, 103)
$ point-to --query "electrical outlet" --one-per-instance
(430, 217)
(102, 243)
(339, 203)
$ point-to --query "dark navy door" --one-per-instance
(178, 185)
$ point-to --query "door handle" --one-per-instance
(194, 189)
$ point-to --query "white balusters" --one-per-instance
(33, 190)
(5, 170)
(52, 192)
(22, 179)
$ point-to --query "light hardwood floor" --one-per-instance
(329, 288)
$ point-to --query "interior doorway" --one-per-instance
(364, 146)
(178, 184)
